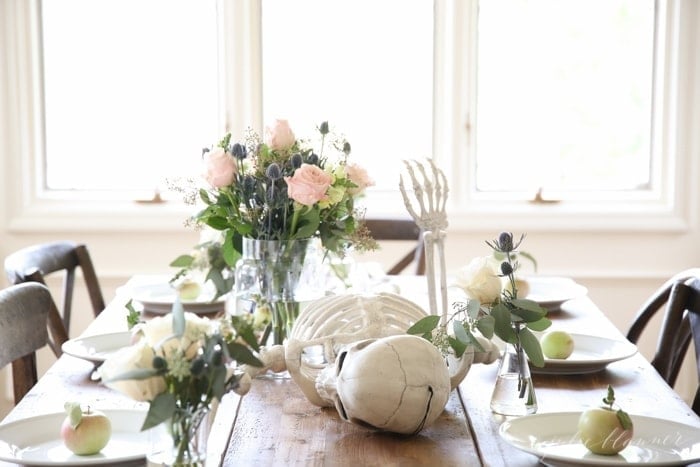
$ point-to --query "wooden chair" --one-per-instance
(34, 263)
(400, 229)
(24, 310)
(680, 326)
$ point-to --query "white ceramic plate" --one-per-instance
(36, 440)
(591, 354)
(554, 440)
(550, 292)
(159, 299)
(97, 348)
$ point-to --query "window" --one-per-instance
(564, 97)
(468, 83)
(130, 90)
(373, 85)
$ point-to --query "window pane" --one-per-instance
(564, 94)
(363, 65)
(130, 90)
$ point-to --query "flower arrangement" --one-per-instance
(207, 259)
(282, 188)
(492, 307)
(181, 364)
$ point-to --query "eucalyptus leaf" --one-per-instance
(540, 324)
(503, 327)
(532, 347)
(530, 305)
(473, 307)
(242, 354)
(161, 409)
(458, 346)
(527, 315)
(485, 325)
(424, 325)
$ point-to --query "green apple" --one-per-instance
(557, 344)
(85, 432)
(189, 290)
(604, 430)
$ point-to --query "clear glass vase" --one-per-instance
(514, 393)
(277, 277)
(181, 441)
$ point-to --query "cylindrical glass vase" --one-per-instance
(514, 393)
(277, 277)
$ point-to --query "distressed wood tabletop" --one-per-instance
(274, 424)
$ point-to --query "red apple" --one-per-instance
(85, 432)
(604, 430)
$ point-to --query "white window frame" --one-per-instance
(32, 209)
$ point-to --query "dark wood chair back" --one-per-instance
(35, 263)
(679, 297)
(24, 310)
(401, 229)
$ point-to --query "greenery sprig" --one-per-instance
(509, 317)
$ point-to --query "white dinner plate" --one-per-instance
(550, 292)
(97, 348)
(159, 299)
(36, 440)
(591, 354)
(553, 438)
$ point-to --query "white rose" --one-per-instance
(134, 357)
(479, 280)
(158, 333)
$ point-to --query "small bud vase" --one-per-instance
(181, 441)
(514, 393)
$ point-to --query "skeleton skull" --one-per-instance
(398, 383)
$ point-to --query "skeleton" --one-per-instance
(431, 197)
(337, 350)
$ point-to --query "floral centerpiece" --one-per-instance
(493, 307)
(182, 364)
(271, 196)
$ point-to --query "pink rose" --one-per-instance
(220, 168)
(359, 176)
(280, 136)
(308, 185)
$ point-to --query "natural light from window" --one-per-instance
(131, 91)
(565, 96)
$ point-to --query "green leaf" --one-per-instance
(424, 325)
(218, 382)
(624, 419)
(464, 335)
(75, 413)
(229, 252)
(528, 310)
(540, 324)
(308, 224)
(503, 327)
(532, 347)
(161, 409)
(182, 261)
(473, 307)
(242, 354)
(485, 325)
(458, 346)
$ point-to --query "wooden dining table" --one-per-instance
(275, 425)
